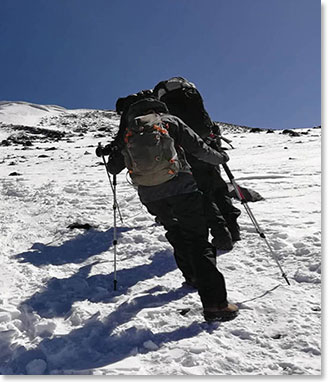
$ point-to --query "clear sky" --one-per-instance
(255, 62)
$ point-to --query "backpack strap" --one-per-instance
(123, 103)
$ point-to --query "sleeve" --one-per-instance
(194, 145)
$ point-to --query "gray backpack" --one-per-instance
(149, 151)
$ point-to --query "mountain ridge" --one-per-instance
(31, 114)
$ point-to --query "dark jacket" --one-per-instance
(185, 140)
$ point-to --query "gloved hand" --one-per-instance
(109, 149)
(99, 151)
(213, 142)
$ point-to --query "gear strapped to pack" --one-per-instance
(184, 101)
(172, 84)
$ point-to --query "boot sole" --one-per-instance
(222, 316)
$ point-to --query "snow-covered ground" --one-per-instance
(59, 313)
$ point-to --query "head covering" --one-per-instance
(123, 103)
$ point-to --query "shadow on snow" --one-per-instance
(75, 250)
(57, 298)
(98, 344)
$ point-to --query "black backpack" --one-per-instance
(184, 101)
(149, 151)
(123, 103)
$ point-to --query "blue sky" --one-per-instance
(255, 62)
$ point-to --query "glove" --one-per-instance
(212, 141)
(109, 149)
(99, 151)
(216, 129)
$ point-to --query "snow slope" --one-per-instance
(59, 313)
(25, 113)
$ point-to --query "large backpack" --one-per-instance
(149, 151)
(123, 103)
(184, 100)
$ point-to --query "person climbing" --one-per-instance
(152, 147)
(184, 100)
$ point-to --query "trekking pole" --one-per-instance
(115, 230)
(111, 185)
(115, 208)
(252, 217)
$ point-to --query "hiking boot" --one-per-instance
(229, 312)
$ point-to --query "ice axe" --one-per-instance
(252, 217)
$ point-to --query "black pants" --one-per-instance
(184, 219)
(214, 218)
(220, 212)
(229, 212)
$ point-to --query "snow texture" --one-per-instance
(59, 313)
